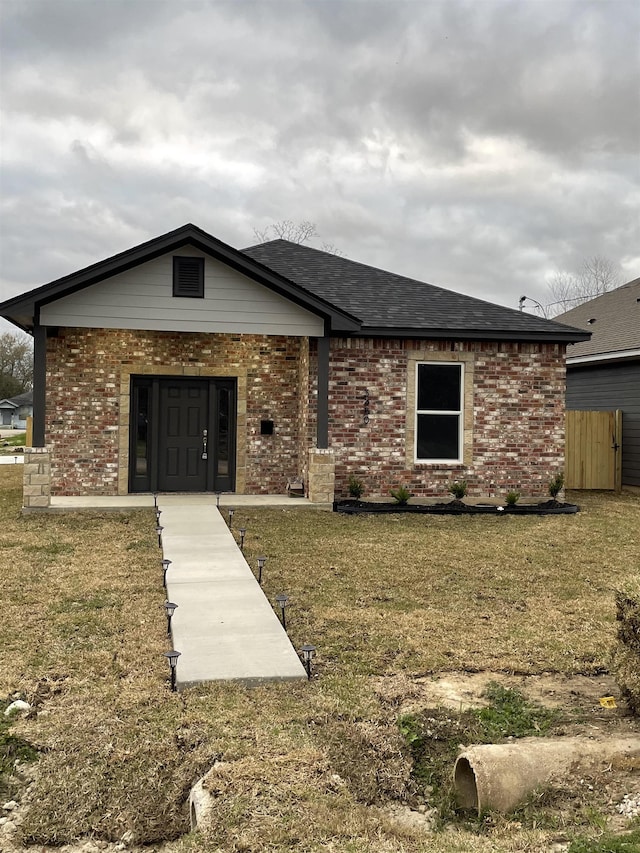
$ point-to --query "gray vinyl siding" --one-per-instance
(142, 298)
(608, 387)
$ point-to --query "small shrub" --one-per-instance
(556, 485)
(458, 489)
(512, 498)
(356, 487)
(401, 495)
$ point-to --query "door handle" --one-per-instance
(204, 444)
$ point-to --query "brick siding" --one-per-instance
(514, 426)
(516, 422)
(83, 419)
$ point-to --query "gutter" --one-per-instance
(603, 357)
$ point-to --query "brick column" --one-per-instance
(36, 482)
(322, 475)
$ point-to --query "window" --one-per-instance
(188, 276)
(439, 415)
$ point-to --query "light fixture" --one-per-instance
(170, 608)
(261, 562)
(242, 531)
(283, 600)
(158, 514)
(231, 511)
(308, 653)
(165, 565)
(155, 500)
(159, 529)
(172, 657)
(218, 499)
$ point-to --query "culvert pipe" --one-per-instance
(497, 777)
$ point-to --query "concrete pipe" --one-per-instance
(500, 776)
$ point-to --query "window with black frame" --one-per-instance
(439, 412)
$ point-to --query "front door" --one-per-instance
(183, 439)
(182, 434)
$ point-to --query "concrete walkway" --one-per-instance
(223, 626)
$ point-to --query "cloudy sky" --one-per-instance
(477, 145)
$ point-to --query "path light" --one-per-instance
(261, 562)
(308, 653)
(155, 500)
(283, 600)
(170, 607)
(165, 565)
(158, 514)
(159, 529)
(242, 533)
(172, 657)
(218, 499)
(231, 511)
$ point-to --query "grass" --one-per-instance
(608, 844)
(309, 766)
(10, 441)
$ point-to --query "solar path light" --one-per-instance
(242, 531)
(165, 565)
(172, 657)
(170, 609)
(261, 562)
(282, 601)
(308, 653)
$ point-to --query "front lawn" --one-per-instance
(304, 766)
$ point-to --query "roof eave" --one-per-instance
(603, 357)
(552, 337)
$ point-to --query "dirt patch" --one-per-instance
(438, 706)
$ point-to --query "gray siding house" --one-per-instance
(603, 373)
(14, 411)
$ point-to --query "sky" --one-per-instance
(481, 146)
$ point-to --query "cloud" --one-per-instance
(479, 146)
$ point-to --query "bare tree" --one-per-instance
(295, 232)
(16, 364)
(596, 276)
(286, 229)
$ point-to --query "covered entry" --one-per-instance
(182, 434)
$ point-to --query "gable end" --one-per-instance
(188, 276)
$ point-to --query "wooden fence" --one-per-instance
(593, 452)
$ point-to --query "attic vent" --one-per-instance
(188, 276)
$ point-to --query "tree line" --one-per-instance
(16, 364)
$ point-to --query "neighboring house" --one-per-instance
(184, 364)
(604, 373)
(15, 411)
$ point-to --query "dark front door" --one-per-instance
(183, 439)
(182, 434)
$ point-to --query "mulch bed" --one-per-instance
(455, 507)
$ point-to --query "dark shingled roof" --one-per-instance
(613, 319)
(351, 297)
(387, 303)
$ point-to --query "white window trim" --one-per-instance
(459, 412)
